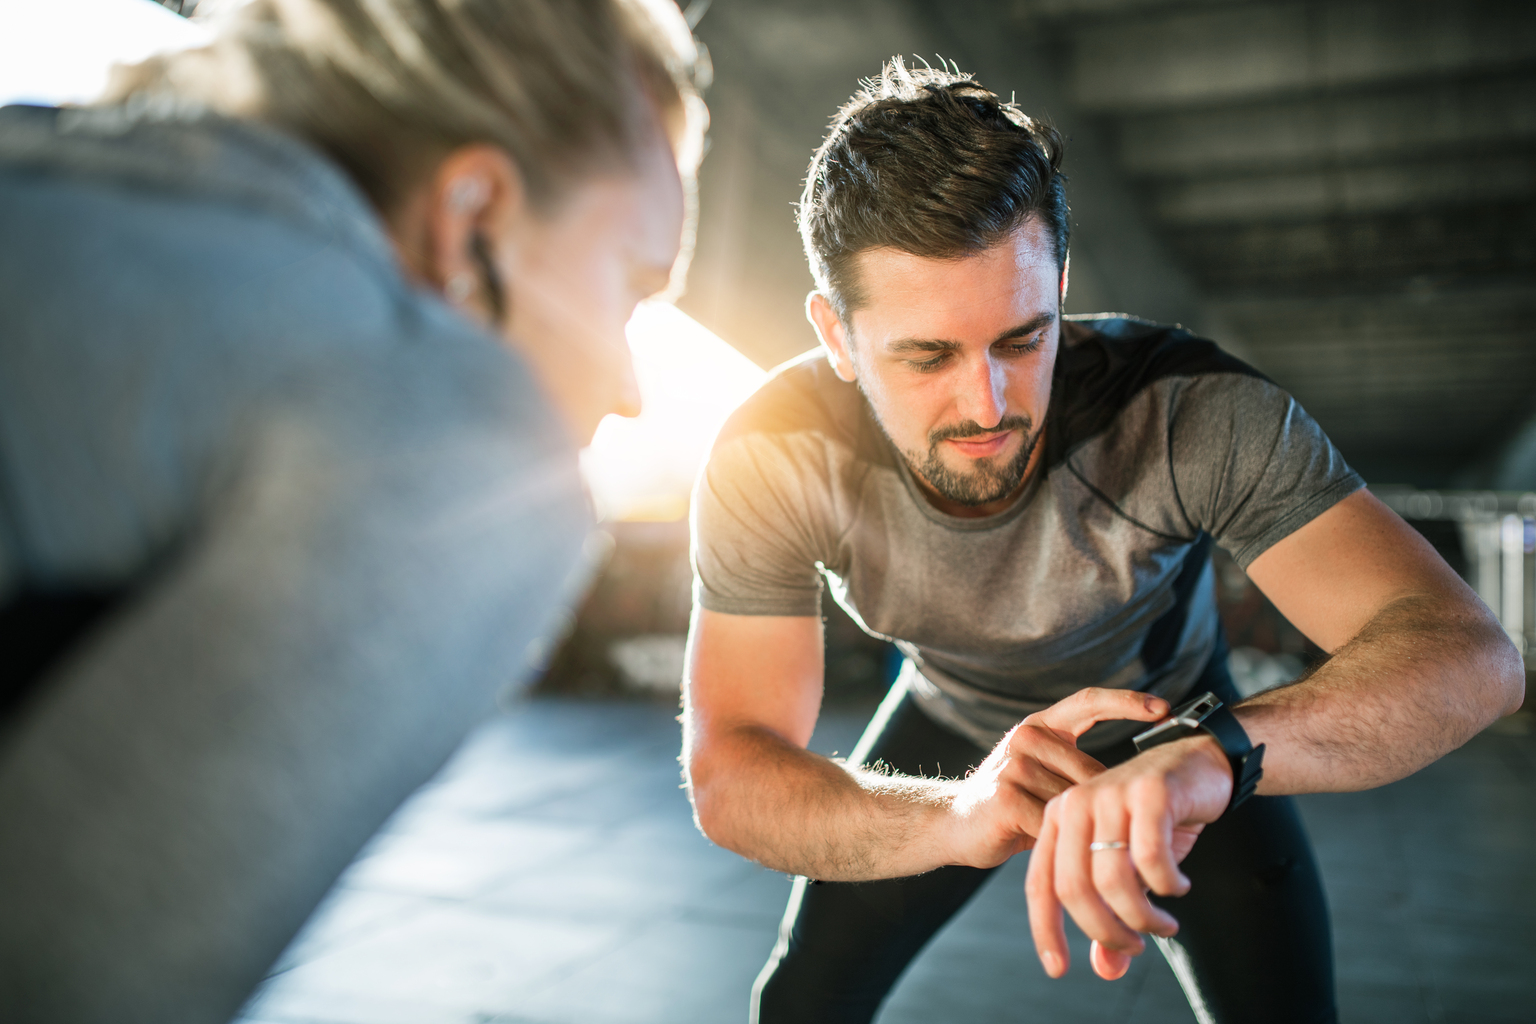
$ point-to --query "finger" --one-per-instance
(1123, 892)
(1078, 713)
(1052, 749)
(1025, 808)
(1076, 827)
(1045, 923)
(1115, 877)
(1152, 840)
(1058, 755)
(1034, 786)
(1038, 780)
(1108, 964)
(1184, 837)
(1027, 817)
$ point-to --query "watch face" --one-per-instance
(1163, 732)
(1185, 720)
(1195, 712)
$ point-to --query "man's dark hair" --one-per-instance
(931, 163)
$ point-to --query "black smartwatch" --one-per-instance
(1207, 714)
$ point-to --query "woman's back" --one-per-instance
(294, 519)
(170, 283)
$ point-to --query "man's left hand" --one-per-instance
(1155, 804)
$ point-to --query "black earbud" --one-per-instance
(490, 280)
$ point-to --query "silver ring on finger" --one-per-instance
(1109, 844)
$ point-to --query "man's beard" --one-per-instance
(989, 479)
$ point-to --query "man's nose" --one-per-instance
(983, 392)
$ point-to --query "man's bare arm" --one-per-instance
(751, 699)
(1418, 666)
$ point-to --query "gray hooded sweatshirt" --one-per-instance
(275, 527)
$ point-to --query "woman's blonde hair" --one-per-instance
(389, 87)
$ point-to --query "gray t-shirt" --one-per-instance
(1156, 444)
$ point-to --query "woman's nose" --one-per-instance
(627, 399)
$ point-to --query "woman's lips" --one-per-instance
(980, 448)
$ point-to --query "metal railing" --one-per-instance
(1498, 542)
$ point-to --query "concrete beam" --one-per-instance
(1481, 116)
(1361, 379)
(1260, 50)
(1427, 312)
(1345, 192)
(1361, 253)
(1079, 10)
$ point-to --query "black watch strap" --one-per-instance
(1206, 713)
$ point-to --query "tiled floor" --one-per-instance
(552, 875)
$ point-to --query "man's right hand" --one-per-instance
(751, 697)
(998, 809)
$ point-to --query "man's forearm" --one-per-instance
(801, 813)
(1423, 677)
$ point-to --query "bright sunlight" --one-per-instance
(690, 380)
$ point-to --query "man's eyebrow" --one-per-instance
(1030, 326)
(922, 345)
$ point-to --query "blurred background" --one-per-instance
(1343, 193)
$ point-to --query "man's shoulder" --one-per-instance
(1109, 360)
(803, 396)
(1111, 353)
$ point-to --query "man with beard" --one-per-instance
(1026, 504)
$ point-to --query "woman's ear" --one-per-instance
(473, 198)
(829, 329)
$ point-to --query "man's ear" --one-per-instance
(829, 330)
(1066, 268)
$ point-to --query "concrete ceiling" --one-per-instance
(1343, 193)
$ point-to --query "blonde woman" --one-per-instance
(299, 335)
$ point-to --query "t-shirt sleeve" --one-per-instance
(1249, 465)
(756, 507)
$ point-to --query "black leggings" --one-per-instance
(1254, 944)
